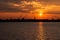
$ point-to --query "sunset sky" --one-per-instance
(29, 8)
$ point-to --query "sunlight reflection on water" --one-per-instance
(41, 31)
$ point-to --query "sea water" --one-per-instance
(29, 30)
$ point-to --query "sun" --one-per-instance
(41, 13)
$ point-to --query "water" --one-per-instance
(29, 30)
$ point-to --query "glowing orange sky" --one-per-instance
(31, 16)
(29, 9)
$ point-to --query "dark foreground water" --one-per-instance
(29, 30)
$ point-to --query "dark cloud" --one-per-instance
(52, 2)
(23, 5)
(8, 8)
(16, 6)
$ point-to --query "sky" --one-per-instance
(24, 8)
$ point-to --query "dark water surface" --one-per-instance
(29, 30)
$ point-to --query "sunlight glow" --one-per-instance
(17, 5)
